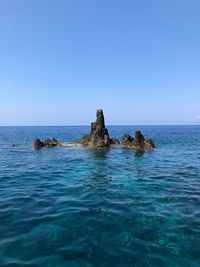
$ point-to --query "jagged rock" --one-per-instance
(139, 138)
(127, 139)
(38, 144)
(99, 136)
(47, 143)
(85, 140)
(114, 141)
(139, 143)
(51, 143)
(149, 144)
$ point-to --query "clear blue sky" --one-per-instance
(60, 60)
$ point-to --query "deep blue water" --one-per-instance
(70, 206)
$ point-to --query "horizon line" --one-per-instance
(109, 125)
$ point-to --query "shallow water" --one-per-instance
(70, 206)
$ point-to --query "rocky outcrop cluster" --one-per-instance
(139, 143)
(47, 143)
(99, 136)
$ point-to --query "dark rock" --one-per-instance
(51, 143)
(47, 143)
(139, 143)
(139, 138)
(149, 144)
(114, 141)
(38, 144)
(100, 119)
(127, 138)
(128, 141)
(85, 140)
(99, 136)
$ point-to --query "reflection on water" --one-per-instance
(139, 153)
(134, 152)
(99, 154)
(99, 175)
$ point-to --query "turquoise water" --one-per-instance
(70, 206)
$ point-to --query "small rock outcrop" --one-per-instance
(128, 141)
(47, 143)
(139, 138)
(99, 136)
(38, 144)
(139, 143)
(114, 141)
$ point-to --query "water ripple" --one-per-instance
(70, 206)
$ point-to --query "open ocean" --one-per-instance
(75, 207)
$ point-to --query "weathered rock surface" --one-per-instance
(149, 144)
(139, 143)
(85, 140)
(99, 136)
(128, 141)
(38, 144)
(139, 138)
(114, 141)
(47, 143)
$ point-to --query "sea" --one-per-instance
(76, 207)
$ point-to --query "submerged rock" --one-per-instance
(99, 136)
(139, 143)
(47, 143)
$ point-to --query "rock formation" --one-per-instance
(99, 136)
(47, 143)
(128, 141)
(114, 141)
(139, 143)
(139, 138)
